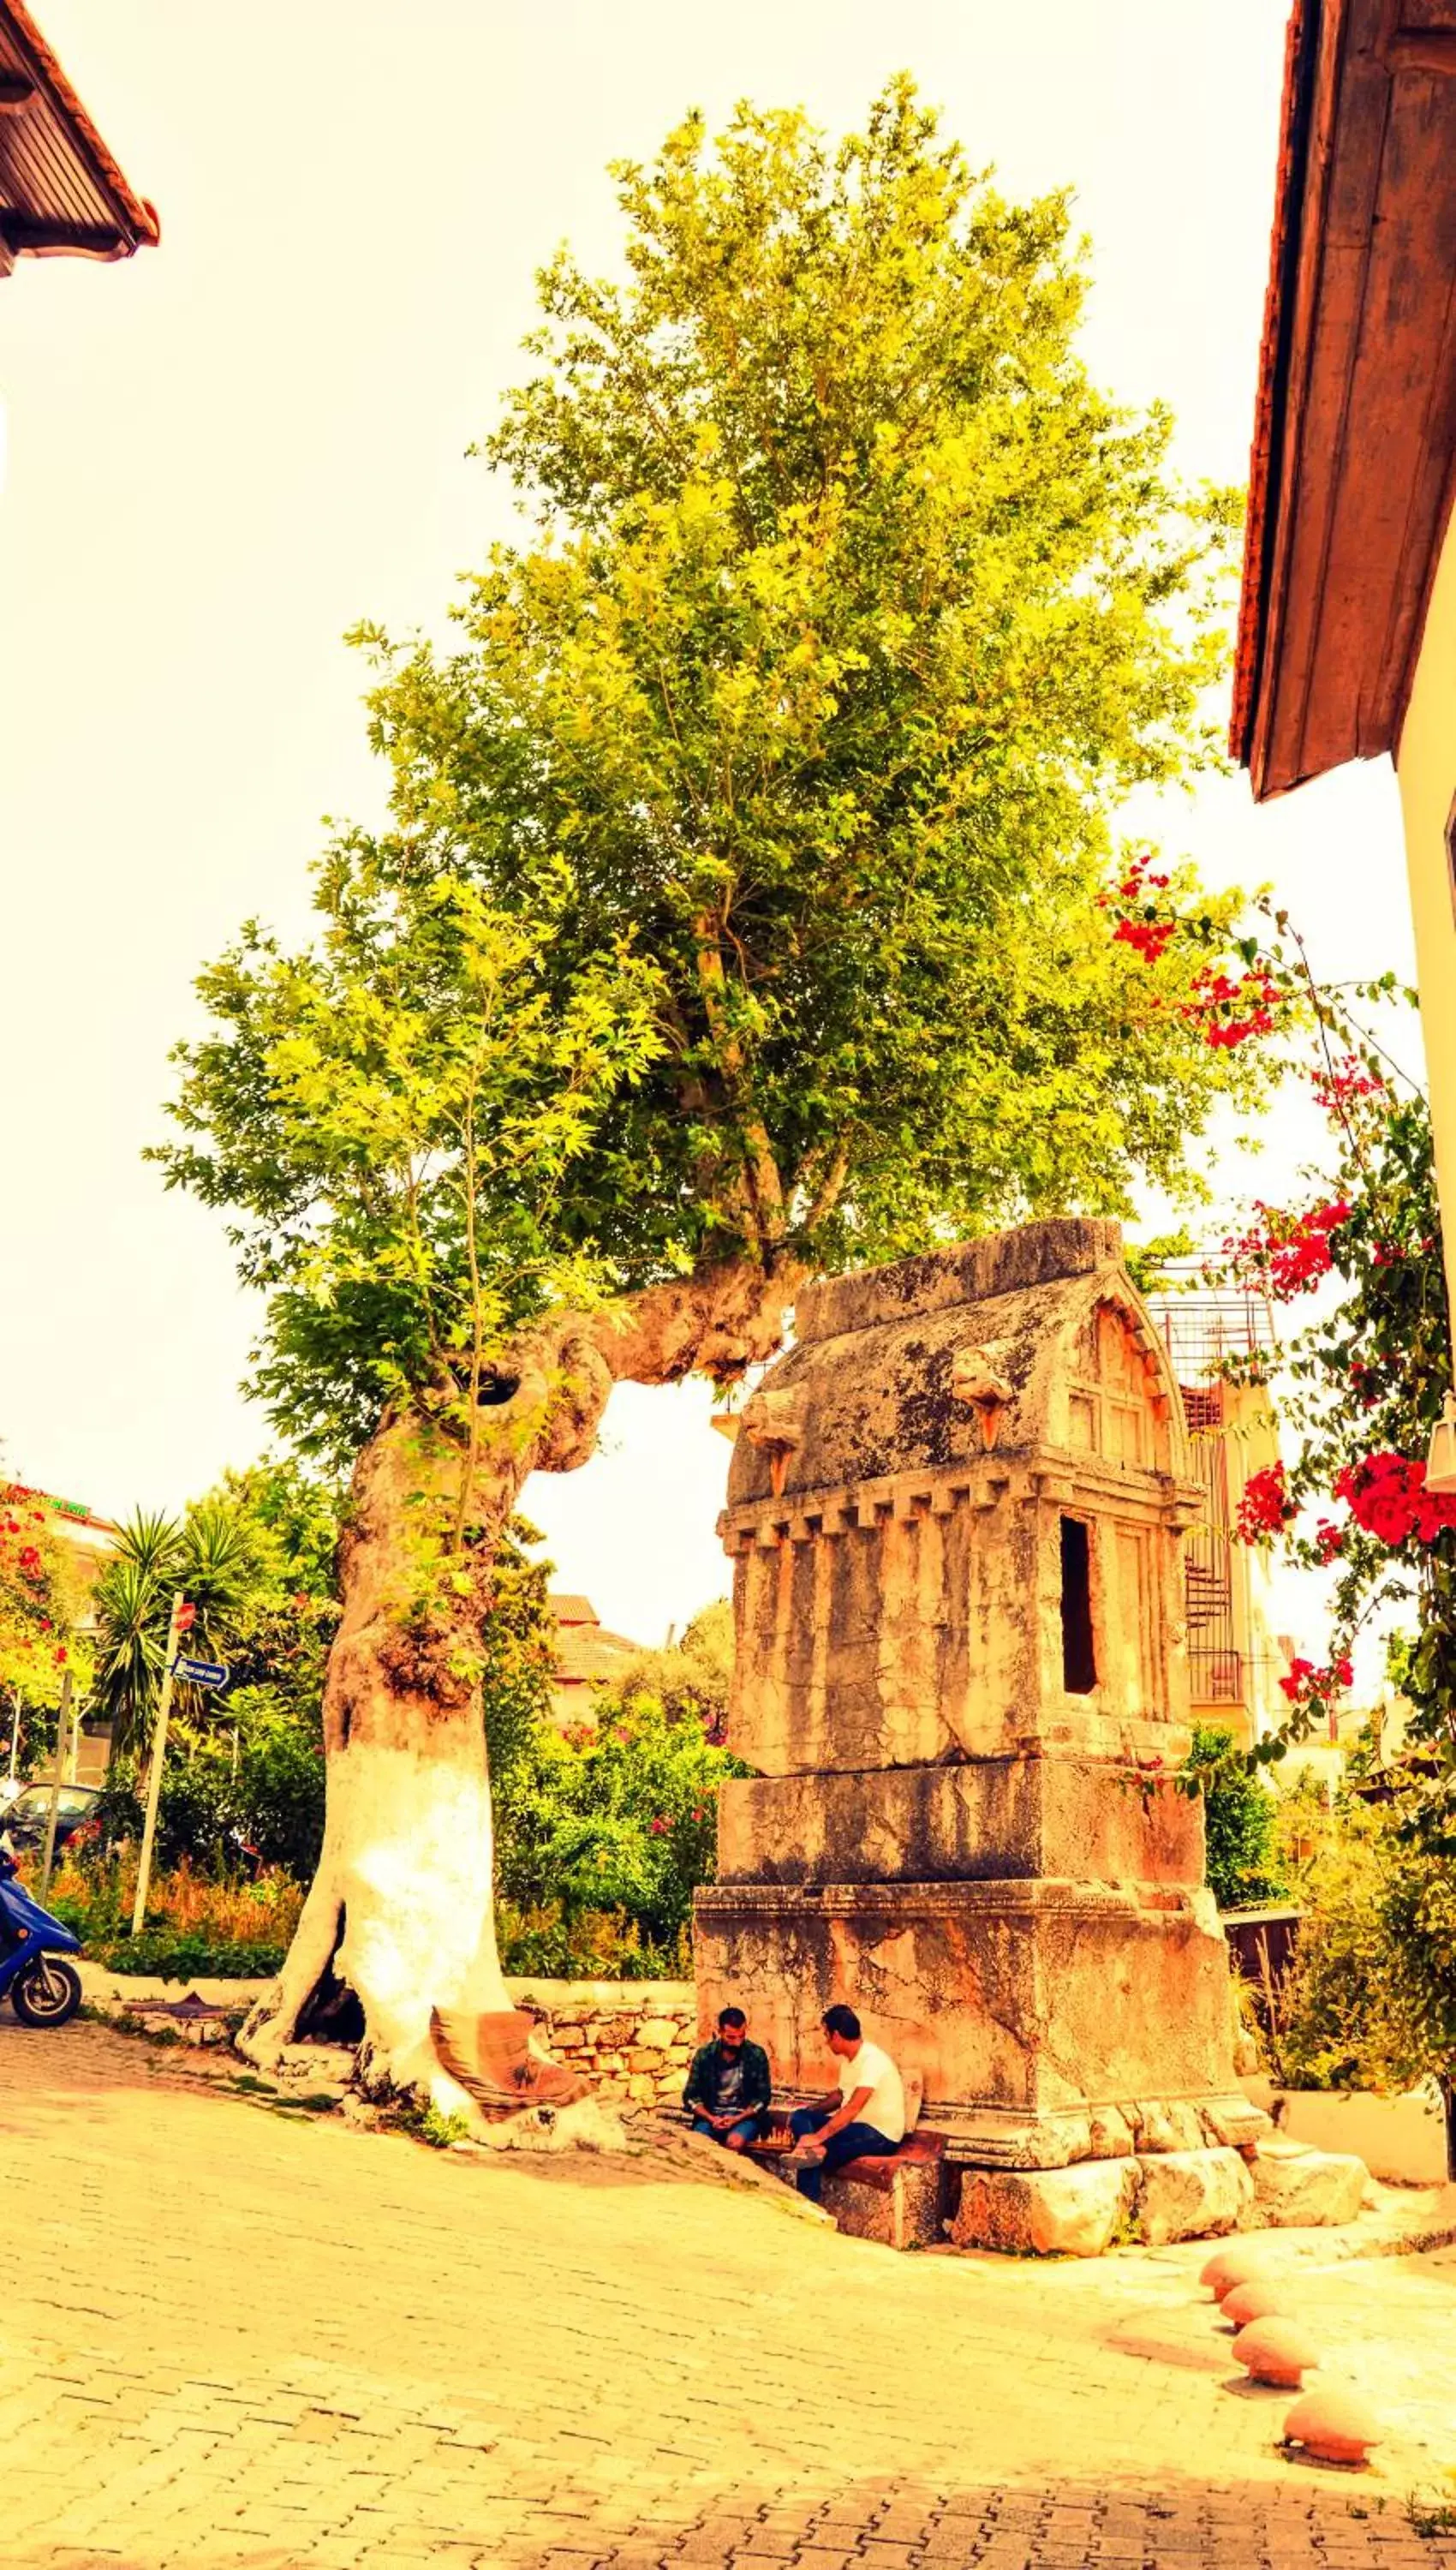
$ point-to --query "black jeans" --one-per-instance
(852, 2142)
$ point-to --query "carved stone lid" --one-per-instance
(1004, 1262)
(1034, 1343)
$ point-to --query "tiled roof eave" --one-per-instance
(1265, 455)
(138, 224)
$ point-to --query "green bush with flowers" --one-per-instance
(603, 1833)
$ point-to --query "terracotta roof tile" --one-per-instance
(571, 1610)
(586, 1658)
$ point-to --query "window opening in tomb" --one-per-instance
(1079, 1660)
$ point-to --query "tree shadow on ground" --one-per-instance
(1303, 2516)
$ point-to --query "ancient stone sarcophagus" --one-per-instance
(956, 1515)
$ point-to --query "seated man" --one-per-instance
(729, 2085)
(870, 2117)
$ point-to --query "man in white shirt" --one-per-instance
(870, 2117)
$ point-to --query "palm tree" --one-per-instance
(211, 1556)
(131, 1624)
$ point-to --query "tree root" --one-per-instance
(272, 2022)
(585, 2126)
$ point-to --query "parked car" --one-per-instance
(29, 1815)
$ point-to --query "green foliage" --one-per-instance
(1364, 1384)
(1367, 1378)
(690, 1679)
(158, 1952)
(42, 1615)
(1240, 1815)
(1418, 1915)
(619, 1819)
(244, 1768)
(256, 1559)
(196, 1922)
(256, 1790)
(519, 1641)
(744, 888)
(391, 1123)
(428, 2125)
(1371, 1999)
(443, 2131)
(543, 1941)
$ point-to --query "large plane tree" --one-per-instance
(749, 905)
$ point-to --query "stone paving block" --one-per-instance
(522, 2364)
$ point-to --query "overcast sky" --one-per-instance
(224, 453)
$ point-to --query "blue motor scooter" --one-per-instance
(44, 1989)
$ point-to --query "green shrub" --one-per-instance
(196, 1924)
(257, 1784)
(1369, 2001)
(591, 1946)
(620, 1820)
(1239, 1818)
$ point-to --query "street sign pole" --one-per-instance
(63, 1725)
(174, 1628)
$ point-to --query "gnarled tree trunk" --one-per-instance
(401, 1911)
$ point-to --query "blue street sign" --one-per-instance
(203, 1673)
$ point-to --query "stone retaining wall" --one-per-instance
(635, 2038)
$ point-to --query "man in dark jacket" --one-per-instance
(729, 2085)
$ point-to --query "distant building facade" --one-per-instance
(587, 1657)
(1235, 1658)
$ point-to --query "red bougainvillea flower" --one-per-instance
(660, 1827)
(1136, 884)
(1265, 1508)
(1142, 922)
(1387, 1495)
(1292, 1251)
(1364, 1383)
(1231, 1013)
(1306, 1685)
(1349, 1079)
(1148, 936)
(1328, 1540)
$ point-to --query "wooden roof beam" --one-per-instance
(1420, 49)
(24, 236)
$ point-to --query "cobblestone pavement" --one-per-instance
(231, 2338)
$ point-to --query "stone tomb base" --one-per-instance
(1050, 2022)
(1080, 2212)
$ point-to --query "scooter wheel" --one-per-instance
(48, 1994)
